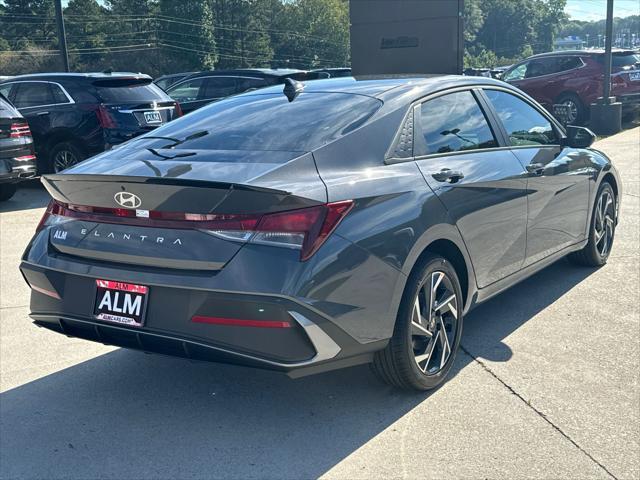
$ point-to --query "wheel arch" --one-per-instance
(63, 135)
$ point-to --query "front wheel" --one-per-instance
(601, 231)
(428, 329)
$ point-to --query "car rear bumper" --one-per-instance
(312, 343)
(12, 170)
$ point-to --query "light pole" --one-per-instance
(606, 113)
(62, 40)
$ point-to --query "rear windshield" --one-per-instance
(131, 93)
(271, 122)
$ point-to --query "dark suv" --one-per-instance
(17, 158)
(200, 88)
(73, 116)
(574, 78)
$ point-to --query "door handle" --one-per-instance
(41, 114)
(535, 168)
(447, 175)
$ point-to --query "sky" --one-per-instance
(597, 9)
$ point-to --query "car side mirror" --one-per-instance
(578, 137)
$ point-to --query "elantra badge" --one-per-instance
(127, 200)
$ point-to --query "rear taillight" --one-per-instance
(18, 130)
(178, 110)
(105, 118)
(25, 158)
(305, 229)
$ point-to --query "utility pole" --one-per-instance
(606, 113)
(62, 39)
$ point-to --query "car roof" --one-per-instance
(387, 87)
(265, 72)
(581, 52)
(69, 76)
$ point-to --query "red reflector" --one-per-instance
(125, 287)
(178, 110)
(44, 291)
(105, 118)
(25, 158)
(237, 322)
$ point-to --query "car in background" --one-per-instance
(201, 88)
(334, 72)
(165, 81)
(76, 115)
(574, 78)
(17, 156)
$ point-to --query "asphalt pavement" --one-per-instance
(546, 386)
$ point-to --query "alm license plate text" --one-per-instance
(152, 117)
(119, 302)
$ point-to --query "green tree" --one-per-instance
(186, 35)
(85, 30)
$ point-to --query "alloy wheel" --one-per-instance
(572, 115)
(64, 159)
(434, 323)
(604, 224)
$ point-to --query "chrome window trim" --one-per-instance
(69, 97)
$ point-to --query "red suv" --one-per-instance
(574, 78)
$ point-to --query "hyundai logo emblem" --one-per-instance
(127, 200)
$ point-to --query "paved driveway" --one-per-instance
(546, 387)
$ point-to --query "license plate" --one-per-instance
(152, 117)
(123, 303)
(634, 76)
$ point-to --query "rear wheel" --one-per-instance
(428, 329)
(601, 232)
(7, 190)
(577, 111)
(64, 155)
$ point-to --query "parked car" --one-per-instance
(17, 156)
(202, 88)
(334, 72)
(320, 225)
(75, 115)
(574, 78)
(166, 81)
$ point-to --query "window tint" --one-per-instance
(245, 84)
(188, 91)
(58, 94)
(523, 123)
(270, 122)
(33, 94)
(219, 87)
(542, 66)
(454, 122)
(567, 63)
(622, 59)
(131, 93)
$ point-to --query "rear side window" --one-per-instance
(567, 63)
(270, 122)
(34, 94)
(453, 123)
(129, 92)
(523, 123)
(188, 91)
(622, 59)
(219, 87)
(245, 84)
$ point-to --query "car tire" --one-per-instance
(601, 231)
(64, 155)
(576, 105)
(416, 357)
(7, 190)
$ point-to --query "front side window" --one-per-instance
(453, 123)
(188, 91)
(518, 73)
(33, 94)
(523, 123)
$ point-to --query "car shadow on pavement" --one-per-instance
(31, 194)
(130, 415)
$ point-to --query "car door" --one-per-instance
(46, 106)
(481, 183)
(535, 77)
(558, 177)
